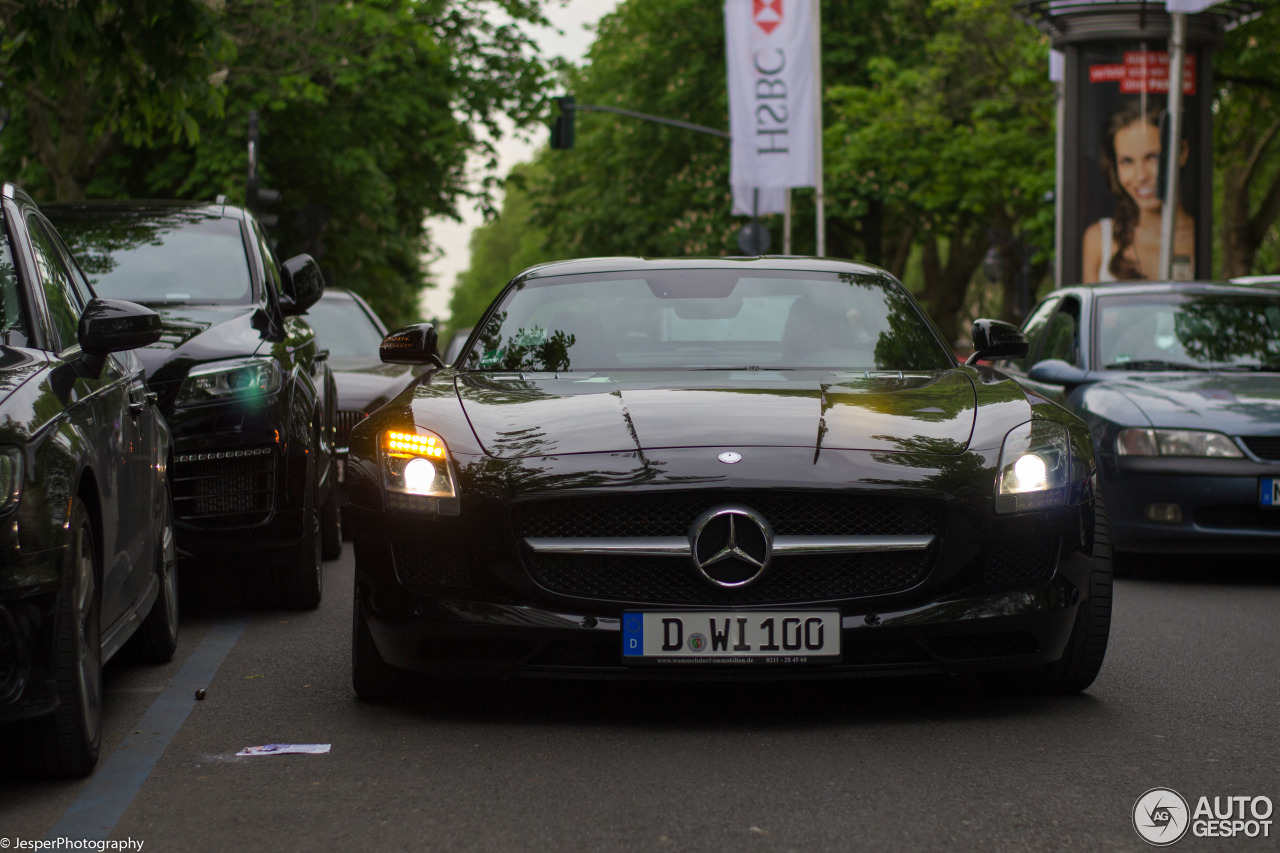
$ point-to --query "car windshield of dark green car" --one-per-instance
(342, 327)
(164, 259)
(1189, 331)
(708, 319)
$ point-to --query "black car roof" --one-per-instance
(138, 209)
(764, 262)
(1127, 288)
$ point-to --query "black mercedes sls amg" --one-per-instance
(729, 468)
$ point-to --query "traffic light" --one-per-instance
(256, 197)
(562, 129)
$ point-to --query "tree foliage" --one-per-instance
(372, 114)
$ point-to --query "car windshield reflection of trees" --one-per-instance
(178, 274)
(713, 323)
(1196, 333)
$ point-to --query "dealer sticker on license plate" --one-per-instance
(731, 637)
(1269, 492)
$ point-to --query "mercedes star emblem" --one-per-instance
(729, 457)
(731, 545)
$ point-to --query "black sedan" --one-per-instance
(239, 378)
(349, 329)
(1180, 386)
(86, 519)
(717, 469)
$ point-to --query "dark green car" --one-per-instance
(86, 518)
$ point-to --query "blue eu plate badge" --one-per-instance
(632, 635)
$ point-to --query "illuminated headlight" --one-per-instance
(10, 477)
(1035, 467)
(236, 379)
(416, 472)
(1176, 442)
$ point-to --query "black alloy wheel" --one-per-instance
(65, 744)
(331, 524)
(157, 638)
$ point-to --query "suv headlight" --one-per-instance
(234, 379)
(1176, 442)
(416, 472)
(1035, 467)
(10, 477)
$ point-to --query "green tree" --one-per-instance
(500, 249)
(83, 76)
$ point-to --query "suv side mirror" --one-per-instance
(411, 345)
(1055, 371)
(994, 339)
(114, 325)
(303, 285)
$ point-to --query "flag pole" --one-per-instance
(817, 117)
(786, 221)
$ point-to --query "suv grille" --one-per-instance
(674, 580)
(225, 489)
(347, 418)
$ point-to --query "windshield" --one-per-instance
(1192, 330)
(342, 327)
(177, 257)
(708, 319)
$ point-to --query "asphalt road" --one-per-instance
(1188, 699)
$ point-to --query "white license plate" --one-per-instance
(731, 637)
(1269, 492)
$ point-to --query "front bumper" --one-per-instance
(1217, 500)
(28, 686)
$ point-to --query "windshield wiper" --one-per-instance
(1155, 364)
(1268, 367)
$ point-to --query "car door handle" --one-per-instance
(136, 407)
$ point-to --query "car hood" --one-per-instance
(528, 415)
(1234, 403)
(366, 383)
(197, 333)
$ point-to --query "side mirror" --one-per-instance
(411, 345)
(994, 339)
(113, 325)
(1055, 371)
(303, 285)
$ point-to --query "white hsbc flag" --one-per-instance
(773, 97)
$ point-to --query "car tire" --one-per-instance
(331, 524)
(65, 743)
(374, 679)
(157, 638)
(1087, 646)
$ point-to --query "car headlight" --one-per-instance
(1176, 442)
(416, 472)
(10, 477)
(1035, 467)
(234, 379)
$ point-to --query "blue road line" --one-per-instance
(117, 781)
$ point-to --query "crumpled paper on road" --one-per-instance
(286, 749)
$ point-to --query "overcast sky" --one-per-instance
(571, 17)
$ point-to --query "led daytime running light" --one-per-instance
(405, 444)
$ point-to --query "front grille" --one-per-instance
(673, 580)
(789, 514)
(1237, 518)
(346, 419)
(1263, 446)
(426, 566)
(1020, 561)
(223, 489)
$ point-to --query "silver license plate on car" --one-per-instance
(731, 637)
(1269, 492)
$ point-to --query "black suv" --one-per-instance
(239, 378)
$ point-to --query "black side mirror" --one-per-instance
(1055, 371)
(303, 285)
(411, 345)
(113, 325)
(994, 339)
